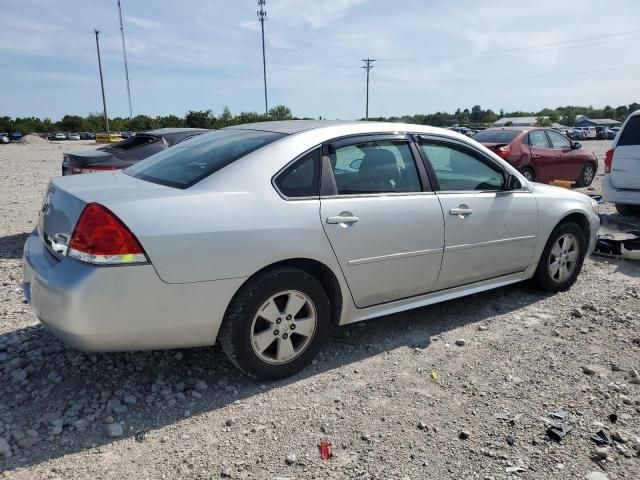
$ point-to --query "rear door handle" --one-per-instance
(461, 210)
(340, 219)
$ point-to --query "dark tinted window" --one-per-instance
(495, 136)
(537, 138)
(134, 141)
(631, 133)
(384, 166)
(192, 160)
(302, 179)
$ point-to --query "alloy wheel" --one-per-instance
(283, 327)
(563, 258)
(587, 176)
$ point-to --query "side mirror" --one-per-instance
(576, 145)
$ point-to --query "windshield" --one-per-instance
(495, 136)
(192, 160)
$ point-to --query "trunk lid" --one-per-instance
(66, 198)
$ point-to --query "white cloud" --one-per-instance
(314, 13)
(143, 23)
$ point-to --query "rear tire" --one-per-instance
(587, 176)
(257, 334)
(529, 174)
(561, 262)
(626, 209)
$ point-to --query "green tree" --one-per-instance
(280, 112)
(542, 121)
(199, 119)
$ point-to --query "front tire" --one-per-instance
(562, 258)
(587, 176)
(276, 323)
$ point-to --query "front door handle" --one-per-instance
(342, 219)
(462, 211)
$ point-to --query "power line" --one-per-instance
(368, 66)
(104, 102)
(545, 47)
(516, 77)
(124, 53)
(262, 16)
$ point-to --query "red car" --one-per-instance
(541, 154)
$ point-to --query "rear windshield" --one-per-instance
(192, 160)
(134, 141)
(495, 136)
(631, 133)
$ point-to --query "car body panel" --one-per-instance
(498, 238)
(625, 165)
(203, 243)
(397, 237)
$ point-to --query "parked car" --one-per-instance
(574, 134)
(4, 138)
(541, 154)
(123, 154)
(588, 133)
(621, 181)
(87, 136)
(609, 134)
(57, 136)
(265, 235)
(73, 136)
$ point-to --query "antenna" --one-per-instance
(368, 66)
(104, 102)
(262, 16)
(124, 53)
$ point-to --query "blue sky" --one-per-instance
(432, 55)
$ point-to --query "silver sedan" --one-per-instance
(262, 236)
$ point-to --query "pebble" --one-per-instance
(422, 426)
(461, 342)
(483, 328)
(601, 453)
(115, 430)
(464, 435)
(291, 459)
(619, 437)
(201, 385)
(596, 476)
(576, 313)
(588, 370)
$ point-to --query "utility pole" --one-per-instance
(124, 53)
(104, 102)
(262, 16)
(368, 66)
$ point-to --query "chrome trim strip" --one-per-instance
(490, 242)
(394, 256)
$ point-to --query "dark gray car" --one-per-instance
(124, 154)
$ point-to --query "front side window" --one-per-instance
(190, 161)
(457, 170)
(302, 179)
(538, 139)
(559, 141)
(381, 166)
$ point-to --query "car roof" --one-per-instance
(293, 126)
(169, 131)
(514, 129)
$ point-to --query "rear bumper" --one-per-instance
(121, 308)
(618, 195)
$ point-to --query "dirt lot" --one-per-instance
(397, 398)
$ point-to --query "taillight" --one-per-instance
(78, 170)
(100, 237)
(608, 159)
(504, 152)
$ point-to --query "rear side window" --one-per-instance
(495, 136)
(381, 166)
(631, 133)
(192, 160)
(302, 179)
(135, 141)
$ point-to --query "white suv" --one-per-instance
(621, 183)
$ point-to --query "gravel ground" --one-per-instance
(463, 389)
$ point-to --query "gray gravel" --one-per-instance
(396, 398)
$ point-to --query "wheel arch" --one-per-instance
(320, 272)
(580, 219)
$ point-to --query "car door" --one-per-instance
(490, 228)
(382, 219)
(542, 157)
(568, 162)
